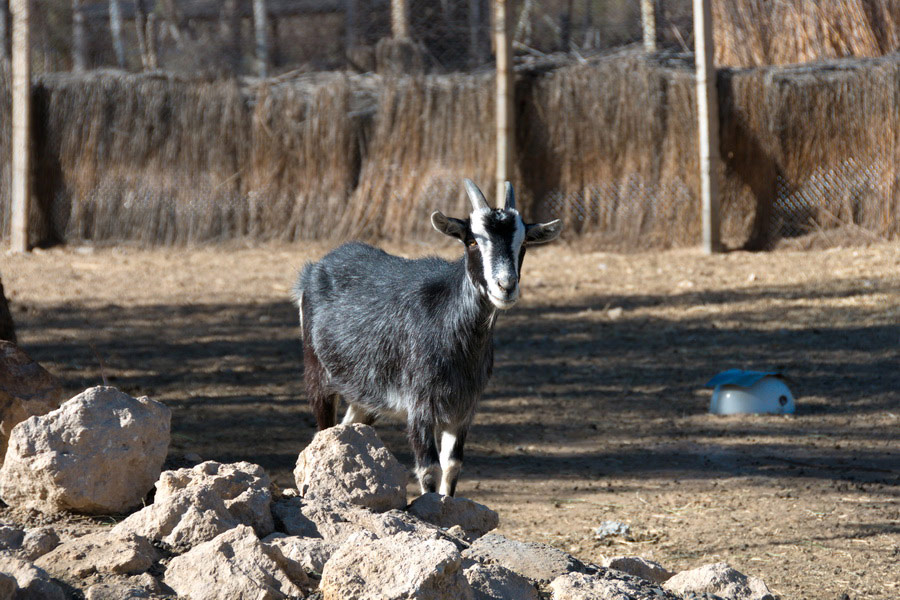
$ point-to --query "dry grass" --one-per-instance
(608, 146)
(430, 133)
(751, 33)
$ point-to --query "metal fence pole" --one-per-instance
(21, 126)
(504, 99)
(261, 35)
(707, 125)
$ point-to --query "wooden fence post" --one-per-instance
(504, 99)
(21, 126)
(79, 39)
(648, 21)
(707, 125)
(399, 20)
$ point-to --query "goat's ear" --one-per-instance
(448, 225)
(541, 233)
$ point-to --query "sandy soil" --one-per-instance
(597, 410)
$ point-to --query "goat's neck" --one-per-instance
(478, 314)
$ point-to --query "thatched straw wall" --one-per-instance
(603, 147)
(429, 133)
(751, 33)
(166, 160)
(609, 146)
(819, 145)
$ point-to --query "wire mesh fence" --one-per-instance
(372, 111)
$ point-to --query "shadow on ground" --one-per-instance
(574, 392)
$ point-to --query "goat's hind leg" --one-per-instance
(452, 442)
(424, 447)
(322, 400)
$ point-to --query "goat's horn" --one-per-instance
(475, 196)
(510, 197)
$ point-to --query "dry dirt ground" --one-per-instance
(597, 409)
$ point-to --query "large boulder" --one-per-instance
(610, 585)
(536, 561)
(99, 453)
(233, 565)
(721, 580)
(182, 520)
(26, 390)
(446, 511)
(348, 463)
(32, 583)
(100, 552)
(243, 487)
(398, 567)
(639, 567)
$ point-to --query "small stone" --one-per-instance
(348, 463)
(235, 564)
(309, 554)
(446, 511)
(535, 561)
(38, 542)
(116, 591)
(398, 567)
(639, 567)
(494, 582)
(11, 538)
(721, 580)
(101, 552)
(609, 529)
(26, 390)
(605, 586)
(181, 520)
(32, 582)
(244, 488)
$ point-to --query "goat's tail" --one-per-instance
(297, 296)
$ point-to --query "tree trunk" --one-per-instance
(79, 40)
(115, 28)
(261, 26)
(7, 329)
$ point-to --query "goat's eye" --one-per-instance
(472, 243)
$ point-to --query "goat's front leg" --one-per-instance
(424, 447)
(357, 414)
(452, 442)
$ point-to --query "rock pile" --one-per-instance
(218, 530)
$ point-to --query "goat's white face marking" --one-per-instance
(500, 235)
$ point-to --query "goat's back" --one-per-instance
(383, 325)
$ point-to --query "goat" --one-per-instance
(414, 337)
